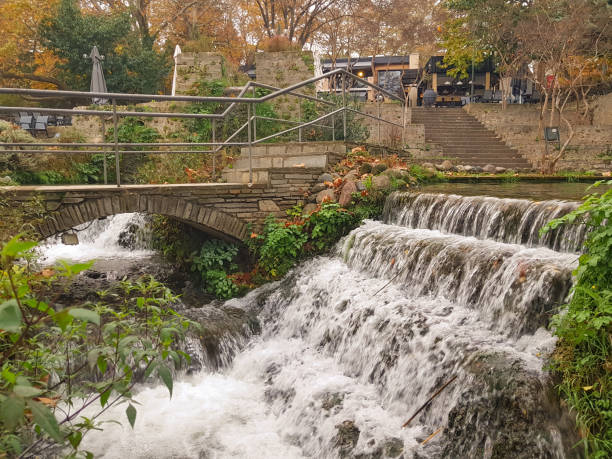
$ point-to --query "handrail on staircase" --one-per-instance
(115, 147)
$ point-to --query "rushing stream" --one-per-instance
(351, 345)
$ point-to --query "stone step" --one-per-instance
(242, 176)
(263, 162)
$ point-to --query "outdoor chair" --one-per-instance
(497, 97)
(487, 96)
(25, 123)
(41, 125)
(52, 121)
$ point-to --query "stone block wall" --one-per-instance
(282, 69)
(590, 149)
(193, 67)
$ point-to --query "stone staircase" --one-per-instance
(292, 160)
(465, 140)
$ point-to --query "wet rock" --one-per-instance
(219, 323)
(128, 237)
(326, 177)
(477, 169)
(500, 170)
(319, 187)
(460, 168)
(347, 437)
(70, 239)
(503, 411)
(445, 166)
(490, 168)
(468, 169)
(326, 195)
(393, 447)
(381, 182)
(332, 400)
(346, 194)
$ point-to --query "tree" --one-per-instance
(568, 43)
(23, 61)
(297, 19)
(130, 64)
(481, 28)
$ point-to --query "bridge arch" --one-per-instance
(204, 217)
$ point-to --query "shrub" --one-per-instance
(378, 168)
(84, 357)
(365, 168)
(583, 355)
(281, 247)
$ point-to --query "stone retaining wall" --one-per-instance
(590, 149)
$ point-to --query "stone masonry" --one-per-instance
(221, 209)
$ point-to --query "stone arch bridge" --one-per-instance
(222, 210)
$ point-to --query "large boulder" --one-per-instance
(445, 166)
(326, 195)
(351, 176)
(346, 194)
(381, 182)
(326, 177)
(319, 187)
(490, 168)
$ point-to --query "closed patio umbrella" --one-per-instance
(98, 84)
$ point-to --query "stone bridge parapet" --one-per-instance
(225, 210)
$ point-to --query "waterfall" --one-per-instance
(117, 236)
(354, 343)
(516, 221)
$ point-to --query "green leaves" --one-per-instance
(70, 343)
(85, 315)
(166, 376)
(46, 420)
(130, 412)
(10, 316)
(11, 412)
(16, 248)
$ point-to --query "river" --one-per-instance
(443, 288)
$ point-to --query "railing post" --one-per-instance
(404, 121)
(379, 136)
(104, 152)
(333, 118)
(344, 106)
(300, 119)
(116, 138)
(213, 126)
(250, 143)
(254, 117)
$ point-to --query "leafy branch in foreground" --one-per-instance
(62, 367)
(583, 357)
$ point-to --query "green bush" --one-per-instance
(329, 224)
(583, 355)
(281, 247)
(86, 357)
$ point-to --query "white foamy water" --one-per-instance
(340, 364)
(98, 239)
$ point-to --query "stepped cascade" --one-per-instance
(465, 139)
(350, 345)
(516, 221)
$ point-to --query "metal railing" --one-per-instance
(250, 125)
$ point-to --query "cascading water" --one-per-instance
(352, 344)
(118, 236)
(516, 221)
